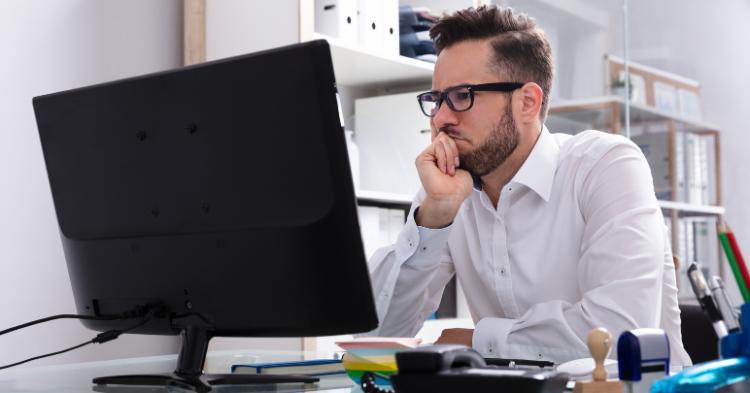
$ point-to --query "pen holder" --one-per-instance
(734, 367)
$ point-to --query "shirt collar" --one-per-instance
(538, 171)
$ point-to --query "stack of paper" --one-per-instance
(374, 354)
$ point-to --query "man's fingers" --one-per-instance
(450, 161)
(451, 152)
(441, 155)
(443, 152)
(454, 153)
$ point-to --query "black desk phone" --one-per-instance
(456, 368)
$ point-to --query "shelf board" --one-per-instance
(582, 111)
(357, 67)
(690, 208)
(384, 197)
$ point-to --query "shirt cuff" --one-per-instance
(490, 336)
(419, 246)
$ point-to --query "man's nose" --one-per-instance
(444, 116)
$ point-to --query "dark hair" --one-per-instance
(520, 47)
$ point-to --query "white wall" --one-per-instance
(235, 27)
(48, 46)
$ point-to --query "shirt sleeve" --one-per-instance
(619, 270)
(408, 278)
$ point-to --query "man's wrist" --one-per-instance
(436, 214)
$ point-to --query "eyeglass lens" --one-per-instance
(458, 99)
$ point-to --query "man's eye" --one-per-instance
(460, 95)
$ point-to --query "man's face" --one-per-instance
(486, 134)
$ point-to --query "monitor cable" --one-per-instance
(100, 338)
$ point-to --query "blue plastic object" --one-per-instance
(706, 377)
(642, 348)
(712, 376)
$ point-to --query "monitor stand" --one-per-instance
(189, 372)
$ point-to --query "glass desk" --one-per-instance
(76, 377)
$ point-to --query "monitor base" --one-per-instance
(189, 372)
(201, 383)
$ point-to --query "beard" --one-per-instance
(501, 143)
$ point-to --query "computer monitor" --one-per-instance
(219, 192)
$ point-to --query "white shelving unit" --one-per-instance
(692, 209)
(362, 68)
(384, 197)
(639, 113)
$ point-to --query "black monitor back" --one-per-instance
(220, 191)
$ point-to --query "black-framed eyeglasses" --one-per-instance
(460, 98)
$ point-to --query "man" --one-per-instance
(549, 235)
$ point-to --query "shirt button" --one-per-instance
(502, 272)
(424, 248)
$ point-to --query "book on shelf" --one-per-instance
(655, 147)
(699, 160)
(304, 367)
(679, 153)
(694, 168)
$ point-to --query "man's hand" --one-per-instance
(456, 336)
(446, 185)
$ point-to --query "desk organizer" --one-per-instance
(717, 375)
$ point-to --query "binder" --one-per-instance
(389, 13)
(679, 157)
(305, 367)
(655, 147)
(702, 160)
(369, 25)
(337, 19)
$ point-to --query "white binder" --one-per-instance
(337, 19)
(370, 25)
(390, 31)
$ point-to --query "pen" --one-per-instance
(726, 308)
(700, 288)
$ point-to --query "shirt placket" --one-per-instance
(501, 256)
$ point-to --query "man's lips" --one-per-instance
(458, 138)
(455, 136)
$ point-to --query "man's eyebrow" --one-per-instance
(451, 87)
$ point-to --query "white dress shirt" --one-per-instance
(577, 241)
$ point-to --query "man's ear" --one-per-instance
(530, 103)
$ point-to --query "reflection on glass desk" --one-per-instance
(76, 377)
